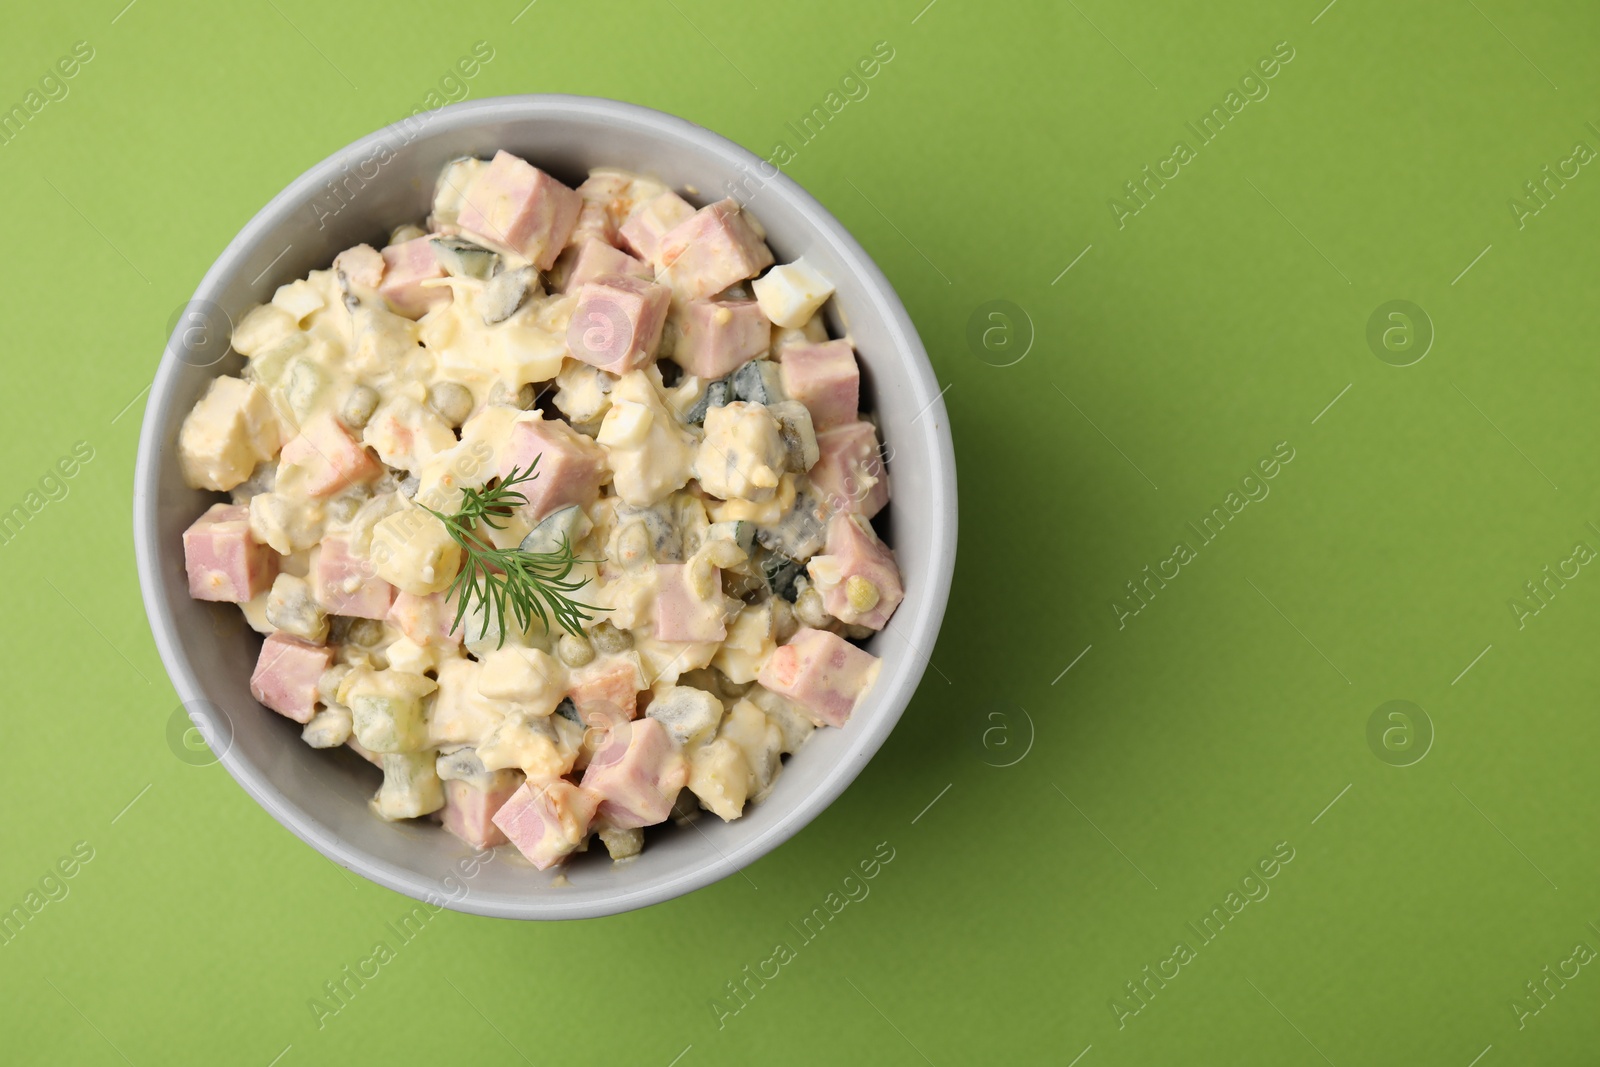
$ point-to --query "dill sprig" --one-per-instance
(531, 585)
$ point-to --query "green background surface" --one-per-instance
(1079, 820)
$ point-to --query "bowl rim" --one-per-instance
(886, 704)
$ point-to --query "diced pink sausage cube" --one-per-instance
(331, 458)
(637, 774)
(595, 259)
(406, 266)
(547, 820)
(641, 233)
(822, 672)
(825, 378)
(606, 696)
(680, 615)
(711, 250)
(286, 675)
(348, 585)
(425, 620)
(223, 561)
(849, 472)
(469, 812)
(854, 551)
(715, 336)
(602, 208)
(569, 471)
(515, 204)
(616, 325)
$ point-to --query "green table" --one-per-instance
(1269, 339)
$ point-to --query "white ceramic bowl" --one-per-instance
(385, 179)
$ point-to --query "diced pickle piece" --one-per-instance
(292, 609)
(780, 572)
(607, 638)
(717, 394)
(463, 765)
(690, 715)
(759, 382)
(506, 292)
(622, 843)
(795, 726)
(738, 531)
(800, 533)
(386, 708)
(799, 436)
(567, 525)
(410, 787)
(464, 259)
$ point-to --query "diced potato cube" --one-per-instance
(461, 715)
(408, 656)
(761, 742)
(414, 552)
(261, 328)
(542, 747)
(752, 637)
(328, 728)
(529, 676)
(790, 293)
(230, 430)
(797, 727)
(743, 453)
(720, 777)
(626, 426)
(298, 298)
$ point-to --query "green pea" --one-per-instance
(574, 651)
(452, 400)
(607, 638)
(359, 406)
